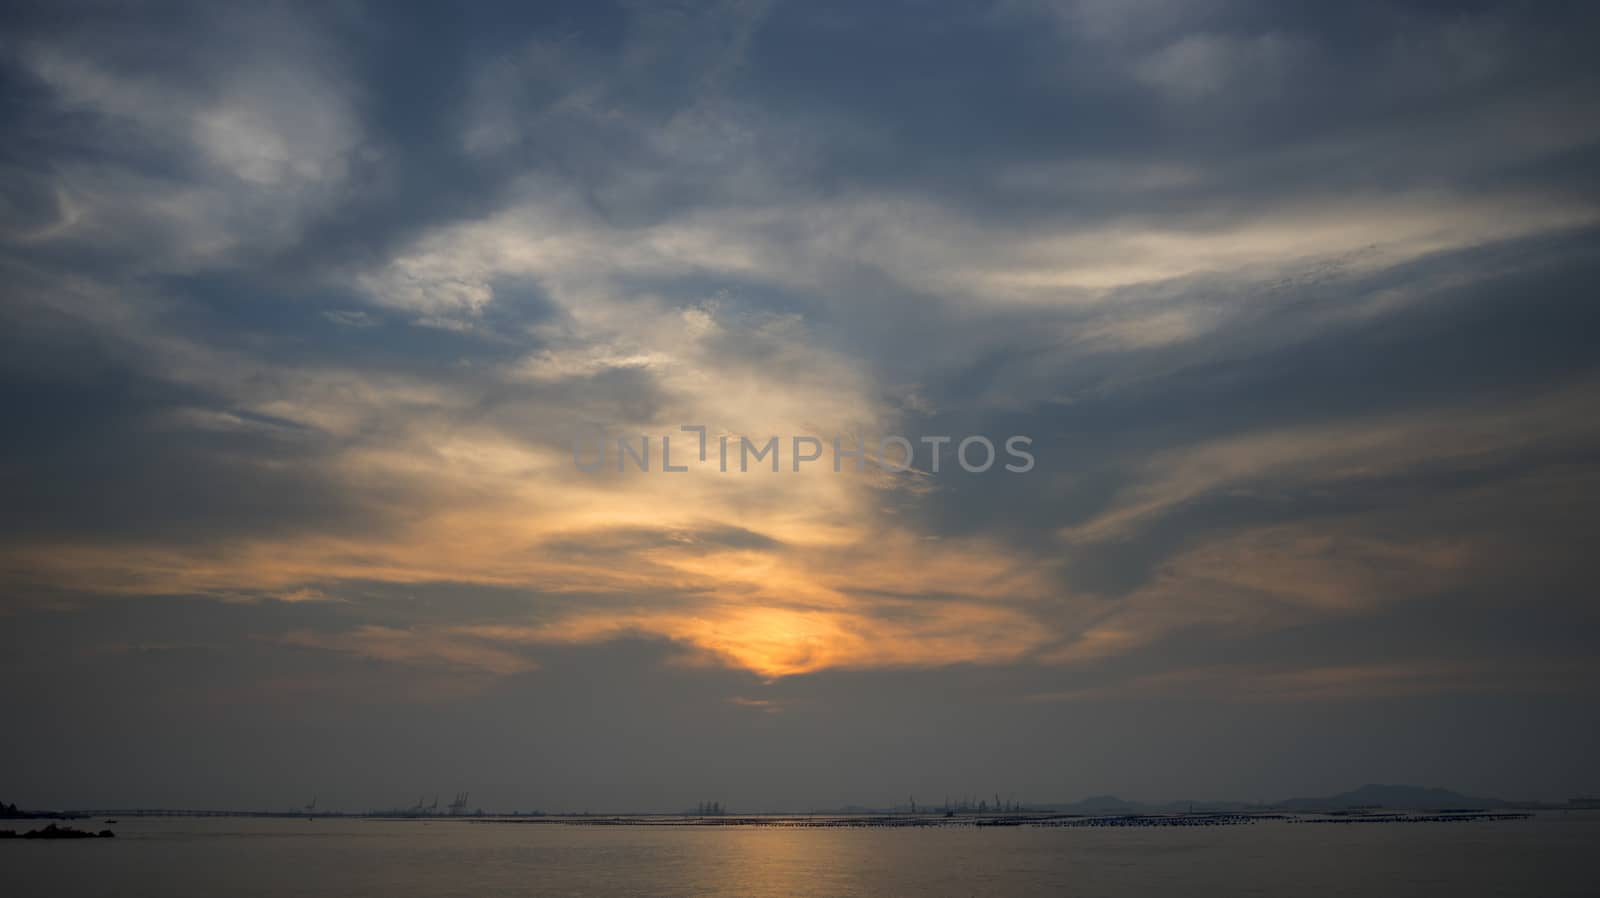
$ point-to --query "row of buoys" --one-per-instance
(1121, 820)
(1413, 818)
(902, 821)
(1130, 820)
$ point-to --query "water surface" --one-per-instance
(1547, 855)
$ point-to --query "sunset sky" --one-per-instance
(302, 308)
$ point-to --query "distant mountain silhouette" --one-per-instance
(1102, 804)
(12, 812)
(1409, 798)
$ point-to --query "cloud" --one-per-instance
(327, 311)
(409, 647)
(224, 163)
(1342, 683)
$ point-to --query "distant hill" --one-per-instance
(1102, 804)
(12, 812)
(1407, 798)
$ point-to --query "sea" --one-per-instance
(1547, 854)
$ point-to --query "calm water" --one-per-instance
(1547, 855)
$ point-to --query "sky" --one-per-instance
(304, 308)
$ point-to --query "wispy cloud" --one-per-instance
(332, 322)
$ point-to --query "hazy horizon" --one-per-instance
(310, 314)
(441, 804)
